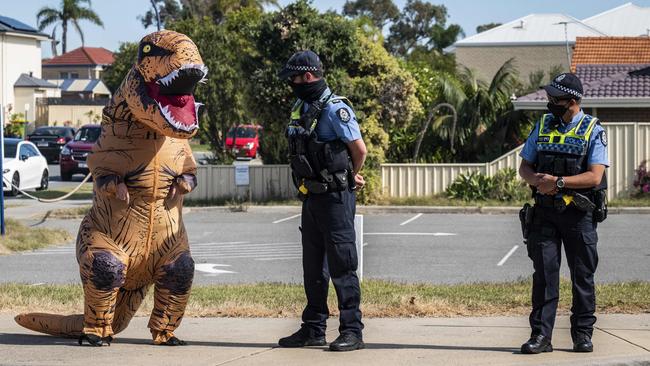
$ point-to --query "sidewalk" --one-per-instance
(618, 340)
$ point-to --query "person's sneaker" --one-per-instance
(537, 344)
(301, 338)
(583, 344)
(347, 342)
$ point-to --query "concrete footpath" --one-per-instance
(618, 340)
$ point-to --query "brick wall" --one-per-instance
(487, 60)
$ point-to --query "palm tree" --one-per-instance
(69, 11)
(480, 105)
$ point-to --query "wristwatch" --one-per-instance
(559, 183)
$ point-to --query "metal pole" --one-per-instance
(358, 229)
(2, 156)
(566, 40)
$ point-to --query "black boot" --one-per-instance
(347, 342)
(537, 344)
(583, 344)
(302, 338)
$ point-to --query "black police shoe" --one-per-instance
(537, 344)
(583, 345)
(301, 338)
(347, 342)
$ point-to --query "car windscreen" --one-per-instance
(243, 132)
(10, 149)
(88, 134)
(49, 131)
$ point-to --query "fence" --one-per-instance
(628, 146)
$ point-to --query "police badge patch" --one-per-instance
(603, 138)
(343, 114)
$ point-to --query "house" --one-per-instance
(29, 90)
(80, 63)
(20, 71)
(541, 42)
(628, 20)
(615, 72)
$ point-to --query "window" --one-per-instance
(23, 151)
(88, 134)
(10, 150)
(64, 75)
(74, 75)
(31, 151)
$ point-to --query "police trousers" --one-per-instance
(577, 231)
(329, 251)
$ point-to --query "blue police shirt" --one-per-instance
(337, 121)
(597, 153)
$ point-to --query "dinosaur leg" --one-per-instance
(172, 291)
(127, 304)
(102, 266)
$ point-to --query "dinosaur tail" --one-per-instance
(56, 325)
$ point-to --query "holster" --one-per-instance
(600, 201)
(526, 216)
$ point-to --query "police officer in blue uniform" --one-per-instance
(564, 161)
(326, 153)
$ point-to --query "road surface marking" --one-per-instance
(210, 268)
(411, 219)
(286, 219)
(507, 255)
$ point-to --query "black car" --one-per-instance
(50, 140)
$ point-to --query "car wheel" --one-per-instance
(15, 182)
(66, 177)
(45, 181)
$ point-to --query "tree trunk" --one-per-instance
(64, 37)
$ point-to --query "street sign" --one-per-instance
(242, 175)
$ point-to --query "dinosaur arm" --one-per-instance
(187, 180)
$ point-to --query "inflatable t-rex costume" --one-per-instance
(134, 235)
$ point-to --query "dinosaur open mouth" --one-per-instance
(174, 95)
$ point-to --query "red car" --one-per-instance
(246, 140)
(75, 152)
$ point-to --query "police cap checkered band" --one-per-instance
(565, 85)
(300, 63)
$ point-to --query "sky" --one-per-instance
(121, 22)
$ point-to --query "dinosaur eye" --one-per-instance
(146, 48)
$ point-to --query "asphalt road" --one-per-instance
(432, 248)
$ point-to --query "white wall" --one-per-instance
(18, 54)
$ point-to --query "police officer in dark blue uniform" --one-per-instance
(326, 153)
(564, 161)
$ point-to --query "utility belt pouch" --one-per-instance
(315, 187)
(600, 200)
(301, 167)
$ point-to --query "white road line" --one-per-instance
(411, 219)
(507, 255)
(277, 259)
(413, 234)
(286, 219)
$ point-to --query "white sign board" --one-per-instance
(242, 176)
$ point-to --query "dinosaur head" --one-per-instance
(159, 88)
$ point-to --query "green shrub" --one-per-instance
(504, 186)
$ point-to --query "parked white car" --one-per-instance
(23, 166)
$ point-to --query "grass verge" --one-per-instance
(20, 237)
(70, 213)
(84, 193)
(379, 299)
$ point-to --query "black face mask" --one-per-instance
(557, 110)
(309, 92)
